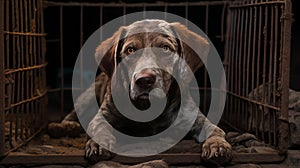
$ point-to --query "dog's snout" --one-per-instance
(145, 80)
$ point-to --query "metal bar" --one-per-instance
(19, 79)
(228, 49)
(232, 64)
(258, 67)
(7, 37)
(244, 68)
(236, 64)
(24, 74)
(13, 105)
(223, 21)
(172, 159)
(81, 44)
(205, 70)
(249, 52)
(237, 5)
(271, 56)
(274, 102)
(25, 33)
(2, 84)
(239, 65)
(253, 101)
(61, 60)
(11, 71)
(264, 84)
(201, 3)
(285, 77)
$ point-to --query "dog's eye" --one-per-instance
(130, 50)
(166, 48)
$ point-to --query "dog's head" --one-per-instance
(148, 53)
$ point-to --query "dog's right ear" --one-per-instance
(106, 52)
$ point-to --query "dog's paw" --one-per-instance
(216, 150)
(95, 152)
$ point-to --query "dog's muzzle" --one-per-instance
(144, 82)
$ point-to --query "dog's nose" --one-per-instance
(145, 80)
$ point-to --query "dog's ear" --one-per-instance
(106, 52)
(192, 44)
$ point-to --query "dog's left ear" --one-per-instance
(192, 45)
(106, 52)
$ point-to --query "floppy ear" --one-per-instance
(195, 48)
(106, 52)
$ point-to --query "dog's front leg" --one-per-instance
(102, 140)
(215, 148)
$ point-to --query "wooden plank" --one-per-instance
(172, 159)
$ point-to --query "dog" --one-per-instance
(144, 46)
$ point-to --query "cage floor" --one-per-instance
(44, 150)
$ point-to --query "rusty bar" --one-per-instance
(61, 60)
(2, 84)
(240, 70)
(228, 57)
(38, 29)
(13, 38)
(245, 71)
(26, 37)
(258, 3)
(30, 11)
(253, 107)
(205, 70)
(236, 64)
(258, 67)
(264, 94)
(19, 78)
(285, 74)
(7, 66)
(81, 44)
(33, 29)
(232, 65)
(241, 41)
(249, 52)
(25, 33)
(275, 55)
(24, 74)
(254, 49)
(274, 102)
(271, 56)
(253, 101)
(223, 21)
(200, 3)
(245, 49)
(29, 104)
(8, 72)
(13, 105)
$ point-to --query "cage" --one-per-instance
(251, 36)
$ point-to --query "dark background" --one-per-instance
(71, 26)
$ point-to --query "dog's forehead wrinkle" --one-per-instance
(148, 26)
